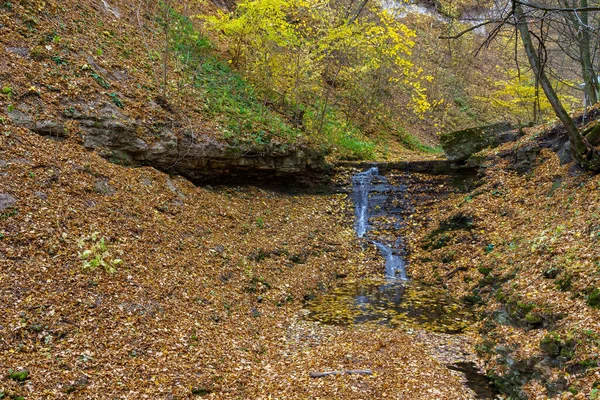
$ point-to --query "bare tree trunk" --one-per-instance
(583, 152)
(580, 27)
(589, 75)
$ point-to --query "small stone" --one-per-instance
(501, 317)
(551, 344)
(7, 201)
(20, 51)
(104, 188)
(41, 195)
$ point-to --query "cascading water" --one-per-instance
(361, 183)
(381, 205)
(395, 267)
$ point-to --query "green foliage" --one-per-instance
(8, 91)
(565, 283)
(412, 143)
(556, 345)
(18, 376)
(188, 44)
(340, 136)
(593, 299)
(8, 213)
(260, 222)
(94, 253)
(232, 102)
(59, 60)
(100, 80)
(116, 100)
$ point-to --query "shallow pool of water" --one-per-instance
(393, 303)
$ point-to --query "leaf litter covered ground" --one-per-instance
(523, 246)
(206, 301)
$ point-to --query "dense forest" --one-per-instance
(299, 199)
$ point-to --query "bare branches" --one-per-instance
(471, 29)
(557, 9)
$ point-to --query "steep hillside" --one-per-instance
(141, 86)
(523, 249)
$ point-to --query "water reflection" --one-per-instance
(391, 303)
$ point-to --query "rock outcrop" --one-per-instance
(169, 147)
(460, 145)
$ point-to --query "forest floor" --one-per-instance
(522, 247)
(207, 293)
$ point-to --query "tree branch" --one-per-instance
(472, 28)
(548, 8)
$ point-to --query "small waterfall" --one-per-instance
(395, 267)
(361, 183)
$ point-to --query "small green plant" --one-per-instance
(8, 213)
(100, 80)
(18, 376)
(94, 253)
(260, 223)
(8, 91)
(59, 60)
(115, 99)
(593, 299)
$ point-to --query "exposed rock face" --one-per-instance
(197, 157)
(460, 145)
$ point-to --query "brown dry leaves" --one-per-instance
(207, 297)
(524, 225)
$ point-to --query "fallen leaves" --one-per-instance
(205, 302)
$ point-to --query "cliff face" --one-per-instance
(97, 72)
(199, 157)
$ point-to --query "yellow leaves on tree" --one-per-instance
(315, 54)
(518, 96)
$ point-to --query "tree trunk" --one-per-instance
(583, 152)
(580, 27)
(589, 74)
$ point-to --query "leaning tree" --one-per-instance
(573, 26)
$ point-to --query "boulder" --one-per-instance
(460, 145)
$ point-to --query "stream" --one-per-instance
(393, 299)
